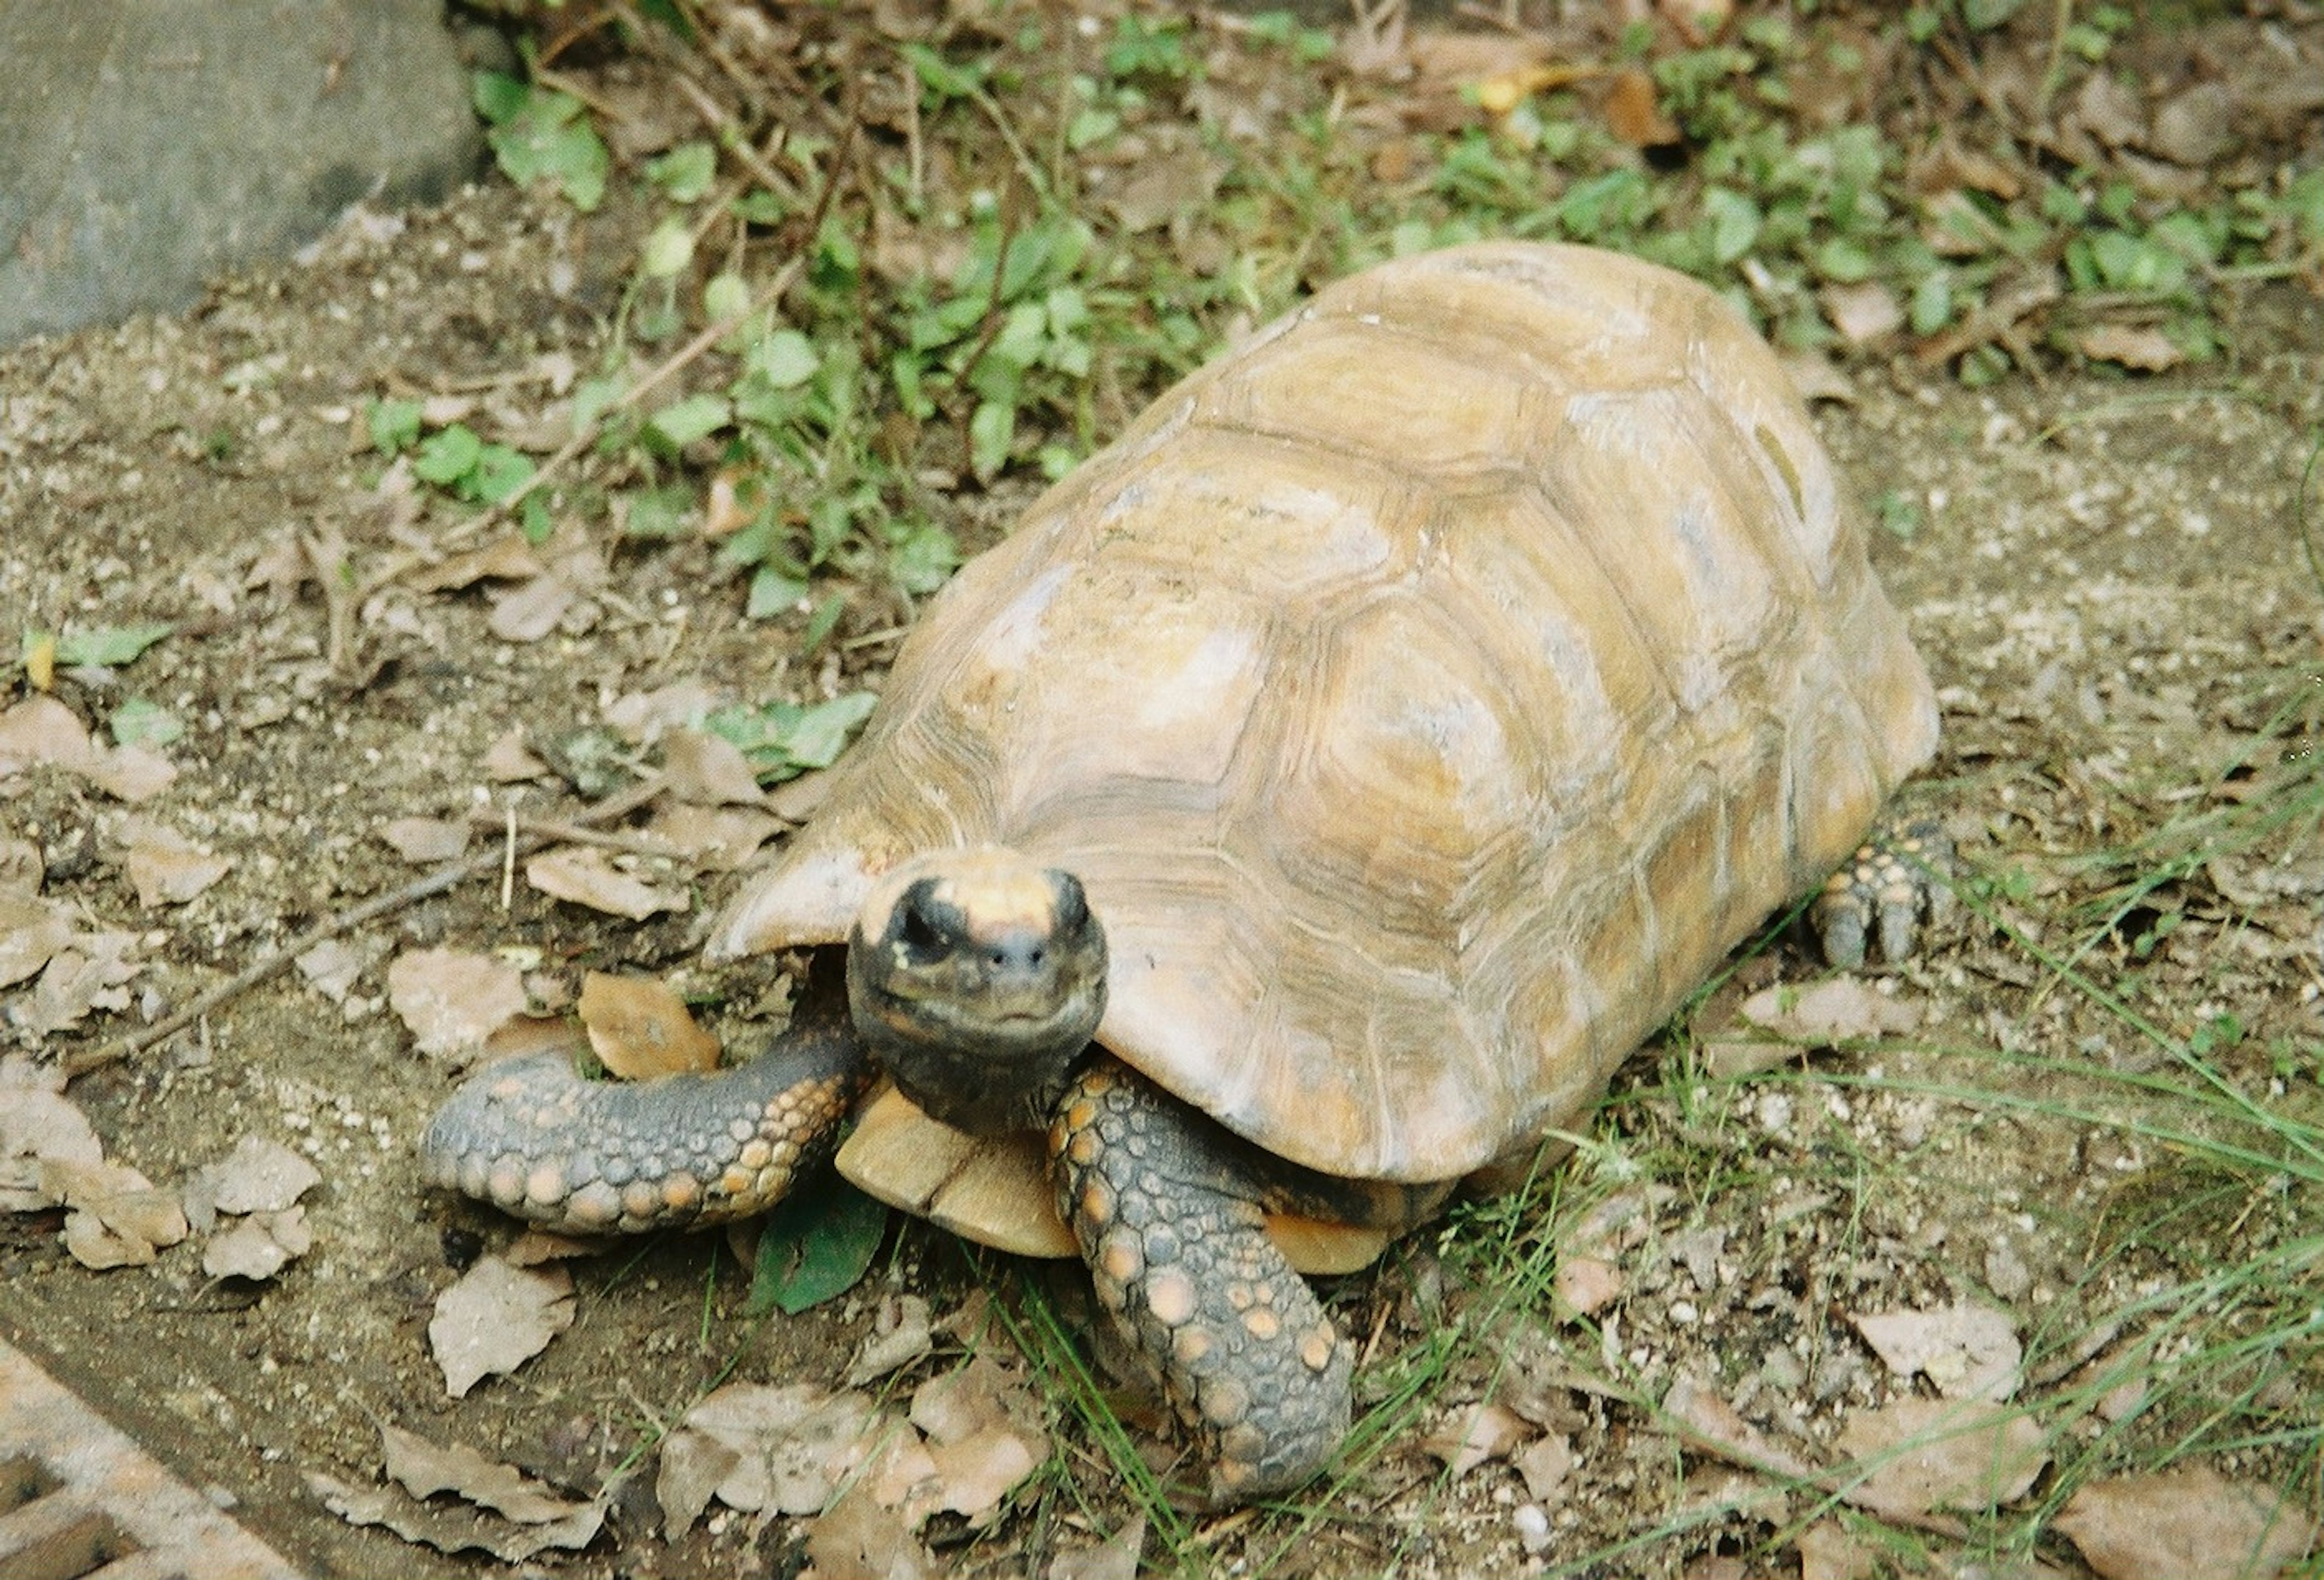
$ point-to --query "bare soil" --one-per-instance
(2104, 576)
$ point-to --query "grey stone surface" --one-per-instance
(146, 145)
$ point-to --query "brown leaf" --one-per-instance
(859, 1539)
(1862, 312)
(2190, 1524)
(130, 772)
(1926, 1454)
(2147, 350)
(642, 718)
(454, 1530)
(43, 729)
(452, 1000)
(1114, 1559)
(426, 1469)
(1545, 1462)
(720, 838)
(37, 1122)
(31, 930)
(532, 610)
(1836, 1010)
(495, 1319)
(260, 1176)
(90, 975)
(1827, 1552)
(118, 1219)
(639, 1029)
(709, 770)
(1632, 113)
(794, 1446)
(166, 867)
(258, 1246)
(509, 760)
(1704, 1411)
(587, 877)
(899, 1338)
(1586, 1284)
(1967, 1351)
(507, 558)
(425, 841)
(332, 967)
(2109, 111)
(1487, 1431)
(2197, 127)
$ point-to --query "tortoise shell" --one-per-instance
(1428, 694)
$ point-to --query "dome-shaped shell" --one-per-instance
(1428, 694)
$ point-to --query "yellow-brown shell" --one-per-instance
(1428, 692)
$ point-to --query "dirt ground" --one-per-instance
(2102, 574)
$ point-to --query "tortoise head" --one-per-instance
(978, 977)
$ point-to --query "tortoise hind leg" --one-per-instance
(1176, 1243)
(1892, 885)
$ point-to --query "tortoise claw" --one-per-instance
(1892, 884)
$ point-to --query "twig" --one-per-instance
(372, 910)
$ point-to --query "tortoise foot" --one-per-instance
(1894, 884)
(1177, 1247)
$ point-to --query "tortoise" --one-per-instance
(1305, 809)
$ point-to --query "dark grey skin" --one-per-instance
(977, 979)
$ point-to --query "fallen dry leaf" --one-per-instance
(1926, 1454)
(642, 718)
(165, 866)
(639, 1029)
(1545, 1462)
(1486, 1431)
(22, 868)
(1836, 1010)
(2147, 350)
(899, 1338)
(720, 838)
(1827, 1552)
(1705, 1412)
(587, 877)
(1114, 1559)
(425, 841)
(708, 770)
(858, 1539)
(37, 1123)
(426, 1469)
(791, 1447)
(90, 975)
(1862, 312)
(332, 967)
(507, 558)
(509, 760)
(1967, 1351)
(1634, 116)
(451, 1000)
(118, 1218)
(130, 772)
(260, 1176)
(2190, 1524)
(459, 1529)
(530, 610)
(495, 1319)
(259, 1246)
(42, 731)
(32, 931)
(984, 1435)
(1586, 1284)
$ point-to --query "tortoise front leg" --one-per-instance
(1172, 1230)
(594, 1157)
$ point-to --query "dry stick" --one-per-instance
(330, 927)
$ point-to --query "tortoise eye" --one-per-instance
(919, 933)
